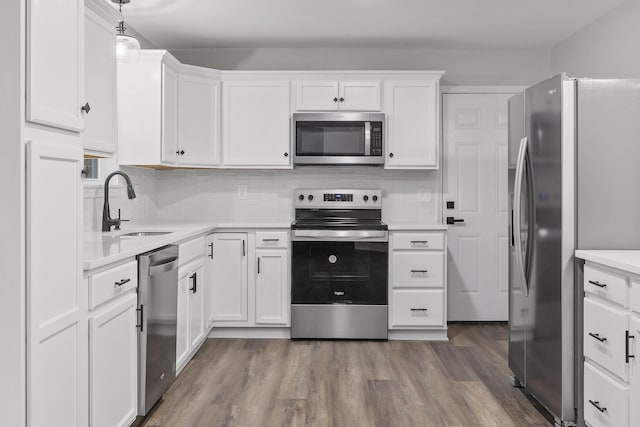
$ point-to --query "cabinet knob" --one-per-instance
(182, 152)
(335, 99)
(390, 154)
(286, 154)
(341, 99)
(86, 108)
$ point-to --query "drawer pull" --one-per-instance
(597, 336)
(419, 271)
(597, 405)
(627, 356)
(422, 242)
(419, 309)
(122, 282)
(270, 240)
(211, 250)
(598, 284)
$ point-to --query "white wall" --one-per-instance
(462, 66)
(606, 48)
(12, 244)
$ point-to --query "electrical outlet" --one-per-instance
(242, 192)
(423, 195)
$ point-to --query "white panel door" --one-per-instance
(57, 300)
(55, 63)
(317, 95)
(183, 340)
(100, 84)
(256, 124)
(199, 120)
(228, 277)
(475, 180)
(196, 306)
(412, 124)
(634, 371)
(169, 115)
(114, 363)
(272, 292)
(359, 96)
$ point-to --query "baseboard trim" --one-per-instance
(417, 335)
(250, 332)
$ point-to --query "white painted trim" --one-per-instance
(419, 335)
(482, 89)
(251, 333)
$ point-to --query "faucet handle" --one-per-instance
(121, 220)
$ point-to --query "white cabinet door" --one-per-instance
(196, 306)
(114, 364)
(199, 120)
(183, 340)
(228, 277)
(57, 300)
(100, 84)
(359, 96)
(169, 115)
(256, 124)
(412, 124)
(634, 371)
(55, 63)
(317, 95)
(272, 293)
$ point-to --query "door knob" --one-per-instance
(452, 220)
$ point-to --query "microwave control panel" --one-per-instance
(376, 139)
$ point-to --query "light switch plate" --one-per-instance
(242, 192)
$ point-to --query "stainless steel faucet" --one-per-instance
(107, 221)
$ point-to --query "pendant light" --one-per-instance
(127, 47)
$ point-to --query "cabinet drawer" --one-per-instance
(110, 283)
(272, 239)
(191, 249)
(418, 241)
(609, 395)
(417, 308)
(605, 284)
(634, 302)
(604, 336)
(418, 269)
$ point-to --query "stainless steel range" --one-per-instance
(339, 265)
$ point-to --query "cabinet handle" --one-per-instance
(419, 271)
(335, 99)
(211, 250)
(258, 265)
(194, 277)
(419, 309)
(243, 252)
(122, 282)
(141, 311)
(86, 108)
(341, 99)
(627, 356)
(598, 284)
(390, 154)
(422, 242)
(270, 240)
(286, 154)
(597, 405)
(182, 152)
(597, 336)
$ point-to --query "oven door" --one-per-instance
(339, 272)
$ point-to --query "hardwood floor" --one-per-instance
(239, 382)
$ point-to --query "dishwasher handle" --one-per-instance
(172, 264)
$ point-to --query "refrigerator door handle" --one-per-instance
(517, 201)
(531, 219)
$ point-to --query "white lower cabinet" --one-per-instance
(249, 278)
(113, 363)
(634, 370)
(192, 324)
(417, 284)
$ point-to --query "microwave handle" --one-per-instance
(367, 138)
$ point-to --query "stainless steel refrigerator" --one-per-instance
(574, 183)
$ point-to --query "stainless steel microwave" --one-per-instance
(338, 138)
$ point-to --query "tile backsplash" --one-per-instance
(212, 195)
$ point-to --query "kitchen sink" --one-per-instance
(145, 233)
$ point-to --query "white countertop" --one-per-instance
(400, 226)
(623, 260)
(101, 249)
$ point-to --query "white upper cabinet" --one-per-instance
(198, 117)
(256, 123)
(169, 115)
(412, 110)
(331, 95)
(99, 136)
(55, 63)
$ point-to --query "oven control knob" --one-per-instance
(310, 197)
(375, 198)
(301, 197)
(365, 198)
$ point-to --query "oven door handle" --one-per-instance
(341, 235)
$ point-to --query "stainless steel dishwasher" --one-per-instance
(157, 323)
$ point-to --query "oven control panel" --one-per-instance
(338, 199)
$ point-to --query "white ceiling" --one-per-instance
(362, 23)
